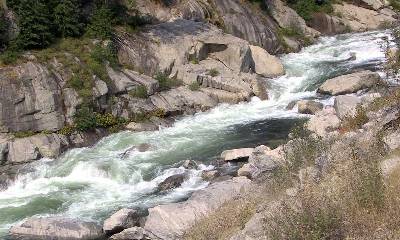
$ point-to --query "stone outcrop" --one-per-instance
(238, 18)
(309, 106)
(170, 221)
(350, 83)
(266, 64)
(171, 182)
(327, 24)
(122, 219)
(30, 99)
(56, 229)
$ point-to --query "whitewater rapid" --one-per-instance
(90, 183)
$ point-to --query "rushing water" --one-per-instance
(90, 183)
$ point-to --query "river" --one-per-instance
(90, 183)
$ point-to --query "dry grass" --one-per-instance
(228, 219)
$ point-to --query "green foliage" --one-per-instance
(3, 29)
(213, 72)
(195, 86)
(167, 83)
(85, 119)
(68, 19)
(9, 57)
(34, 21)
(101, 24)
(306, 8)
(67, 130)
(24, 134)
(395, 4)
(139, 92)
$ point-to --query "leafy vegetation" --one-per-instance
(213, 72)
(167, 83)
(195, 86)
(139, 92)
(306, 8)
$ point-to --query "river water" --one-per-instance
(90, 183)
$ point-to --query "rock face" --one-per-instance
(241, 154)
(123, 219)
(170, 221)
(56, 229)
(350, 83)
(30, 99)
(238, 18)
(346, 106)
(309, 107)
(327, 24)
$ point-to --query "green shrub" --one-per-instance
(306, 8)
(351, 123)
(67, 130)
(213, 72)
(395, 4)
(167, 83)
(195, 86)
(9, 57)
(85, 119)
(24, 134)
(101, 23)
(139, 92)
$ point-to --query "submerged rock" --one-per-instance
(140, 127)
(189, 164)
(210, 175)
(56, 228)
(123, 219)
(172, 182)
(350, 83)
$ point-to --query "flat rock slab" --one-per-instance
(56, 228)
(350, 83)
(241, 154)
(170, 221)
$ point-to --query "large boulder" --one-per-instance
(324, 122)
(327, 24)
(170, 221)
(135, 233)
(241, 154)
(56, 228)
(30, 98)
(346, 106)
(350, 83)
(266, 64)
(309, 106)
(122, 219)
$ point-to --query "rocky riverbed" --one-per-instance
(234, 93)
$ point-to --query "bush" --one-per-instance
(24, 134)
(167, 83)
(139, 92)
(306, 8)
(9, 57)
(101, 23)
(195, 86)
(351, 123)
(85, 119)
(213, 72)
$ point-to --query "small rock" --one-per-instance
(172, 182)
(309, 107)
(291, 105)
(135, 233)
(245, 171)
(123, 219)
(210, 175)
(144, 147)
(241, 154)
(189, 164)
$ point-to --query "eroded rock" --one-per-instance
(122, 219)
(309, 106)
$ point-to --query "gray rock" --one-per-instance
(346, 106)
(210, 175)
(253, 229)
(140, 127)
(350, 83)
(152, 85)
(135, 233)
(309, 106)
(266, 64)
(323, 122)
(327, 24)
(241, 154)
(189, 164)
(54, 228)
(170, 221)
(171, 182)
(123, 219)
(392, 140)
(120, 81)
(100, 88)
(3, 152)
(71, 102)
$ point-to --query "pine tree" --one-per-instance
(34, 21)
(67, 18)
(3, 28)
(101, 23)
